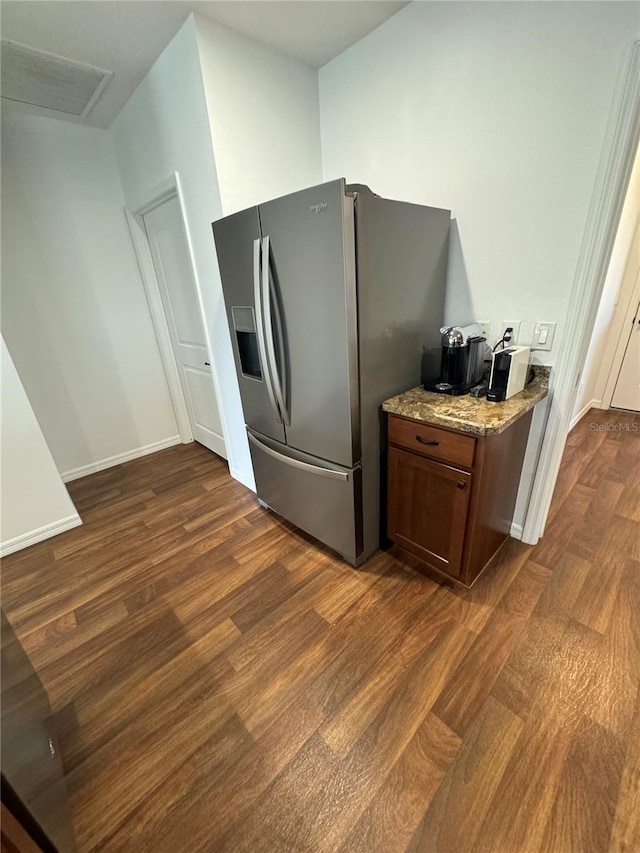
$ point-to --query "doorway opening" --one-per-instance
(612, 182)
(161, 240)
(611, 374)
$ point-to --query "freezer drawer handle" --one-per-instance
(268, 331)
(296, 463)
(257, 297)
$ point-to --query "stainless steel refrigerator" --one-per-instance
(330, 293)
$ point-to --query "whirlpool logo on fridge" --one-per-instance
(318, 208)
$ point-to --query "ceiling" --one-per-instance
(127, 36)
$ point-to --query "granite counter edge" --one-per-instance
(465, 426)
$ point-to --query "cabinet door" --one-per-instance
(31, 764)
(428, 507)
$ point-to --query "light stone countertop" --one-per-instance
(473, 415)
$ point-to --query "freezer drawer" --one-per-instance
(322, 499)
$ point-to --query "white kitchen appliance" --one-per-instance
(509, 371)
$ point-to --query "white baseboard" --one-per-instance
(45, 532)
(246, 479)
(110, 461)
(516, 530)
(592, 404)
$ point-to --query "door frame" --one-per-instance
(612, 179)
(170, 188)
(628, 311)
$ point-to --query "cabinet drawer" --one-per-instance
(432, 441)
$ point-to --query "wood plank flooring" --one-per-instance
(223, 684)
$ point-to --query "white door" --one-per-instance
(167, 241)
(626, 394)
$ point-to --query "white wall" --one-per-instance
(74, 310)
(195, 113)
(265, 124)
(617, 291)
(498, 112)
(164, 128)
(34, 501)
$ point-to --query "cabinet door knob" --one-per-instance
(462, 484)
(426, 441)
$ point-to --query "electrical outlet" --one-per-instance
(513, 324)
(485, 328)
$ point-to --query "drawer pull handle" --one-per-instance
(461, 484)
(431, 442)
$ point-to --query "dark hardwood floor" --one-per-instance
(222, 684)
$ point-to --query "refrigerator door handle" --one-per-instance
(297, 463)
(257, 298)
(268, 328)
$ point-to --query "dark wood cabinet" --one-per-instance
(428, 508)
(33, 784)
(451, 495)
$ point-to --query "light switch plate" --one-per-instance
(543, 335)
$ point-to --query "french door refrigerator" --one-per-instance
(331, 294)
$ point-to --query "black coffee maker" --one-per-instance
(461, 362)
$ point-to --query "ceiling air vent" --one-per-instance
(44, 80)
